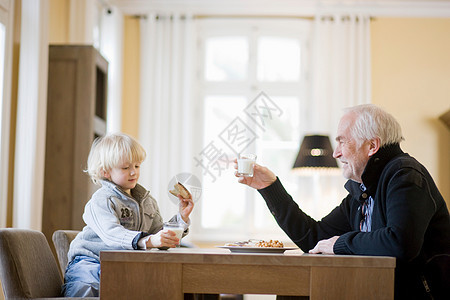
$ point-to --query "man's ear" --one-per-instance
(374, 146)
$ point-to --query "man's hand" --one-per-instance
(324, 246)
(262, 177)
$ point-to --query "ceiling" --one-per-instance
(413, 8)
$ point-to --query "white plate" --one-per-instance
(242, 249)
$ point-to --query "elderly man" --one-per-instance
(393, 207)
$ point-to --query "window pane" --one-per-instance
(278, 59)
(220, 111)
(262, 56)
(226, 58)
(285, 127)
(223, 200)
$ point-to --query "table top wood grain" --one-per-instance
(170, 274)
(224, 256)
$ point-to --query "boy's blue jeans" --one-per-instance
(82, 278)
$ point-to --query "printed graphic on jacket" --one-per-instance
(126, 216)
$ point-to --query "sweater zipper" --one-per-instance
(141, 210)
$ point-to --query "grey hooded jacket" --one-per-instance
(116, 221)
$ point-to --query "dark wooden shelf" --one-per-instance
(76, 114)
(445, 117)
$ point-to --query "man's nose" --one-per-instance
(336, 153)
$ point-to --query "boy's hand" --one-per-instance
(186, 207)
(164, 238)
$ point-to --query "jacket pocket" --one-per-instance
(437, 275)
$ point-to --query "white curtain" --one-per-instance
(110, 45)
(167, 108)
(29, 161)
(340, 67)
(340, 77)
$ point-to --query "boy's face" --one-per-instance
(124, 175)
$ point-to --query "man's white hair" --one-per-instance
(371, 122)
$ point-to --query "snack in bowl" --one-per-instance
(257, 243)
(180, 190)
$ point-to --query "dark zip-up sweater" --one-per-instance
(410, 220)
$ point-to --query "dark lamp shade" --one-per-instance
(315, 152)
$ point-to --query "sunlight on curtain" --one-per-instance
(110, 42)
(340, 67)
(167, 108)
(4, 143)
(2, 67)
(340, 78)
(31, 116)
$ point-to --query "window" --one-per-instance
(246, 64)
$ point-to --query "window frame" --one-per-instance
(250, 88)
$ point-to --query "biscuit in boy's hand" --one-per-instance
(180, 190)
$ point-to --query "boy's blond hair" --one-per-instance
(111, 150)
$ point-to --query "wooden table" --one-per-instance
(169, 274)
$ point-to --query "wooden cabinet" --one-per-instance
(76, 114)
(445, 117)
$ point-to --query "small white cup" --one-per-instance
(246, 163)
(175, 227)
